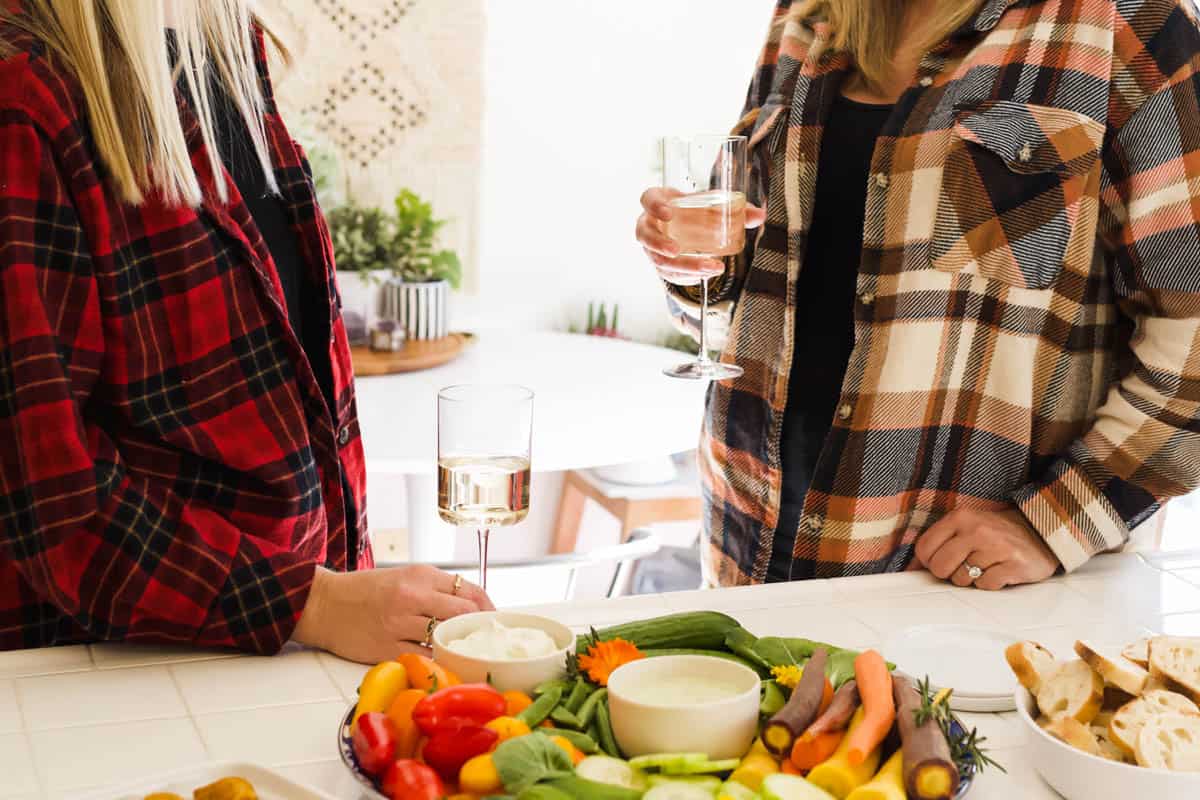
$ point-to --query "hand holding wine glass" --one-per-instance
(665, 252)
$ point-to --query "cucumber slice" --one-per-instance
(704, 781)
(790, 787)
(732, 790)
(613, 771)
(678, 790)
(664, 760)
(704, 767)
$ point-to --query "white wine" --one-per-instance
(483, 491)
(709, 224)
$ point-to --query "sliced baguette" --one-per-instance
(1170, 741)
(1074, 733)
(1031, 663)
(1114, 669)
(1108, 748)
(1129, 720)
(1175, 661)
(1074, 691)
(1138, 652)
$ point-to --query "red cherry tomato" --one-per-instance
(473, 703)
(410, 780)
(449, 748)
(374, 741)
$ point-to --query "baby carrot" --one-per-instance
(879, 708)
(808, 751)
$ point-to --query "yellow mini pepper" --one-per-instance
(380, 686)
(507, 728)
(479, 776)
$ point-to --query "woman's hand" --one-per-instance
(376, 615)
(663, 251)
(1001, 543)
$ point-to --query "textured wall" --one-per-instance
(396, 88)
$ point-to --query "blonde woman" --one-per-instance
(179, 454)
(969, 319)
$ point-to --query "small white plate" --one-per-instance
(267, 784)
(966, 658)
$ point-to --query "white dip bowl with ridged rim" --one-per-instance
(520, 675)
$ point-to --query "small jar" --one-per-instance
(387, 337)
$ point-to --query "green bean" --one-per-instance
(608, 742)
(579, 693)
(587, 712)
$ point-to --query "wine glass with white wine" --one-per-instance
(484, 438)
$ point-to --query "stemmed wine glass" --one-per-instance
(484, 439)
(708, 220)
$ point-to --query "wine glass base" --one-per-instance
(704, 371)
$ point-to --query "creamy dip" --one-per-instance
(498, 642)
(690, 690)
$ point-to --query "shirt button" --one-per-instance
(867, 298)
(1025, 154)
(814, 522)
(845, 411)
(881, 180)
(926, 81)
(344, 435)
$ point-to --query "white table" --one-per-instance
(81, 716)
(597, 402)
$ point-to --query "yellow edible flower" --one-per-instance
(788, 676)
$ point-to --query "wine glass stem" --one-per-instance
(482, 533)
(704, 359)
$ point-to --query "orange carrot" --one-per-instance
(879, 707)
(826, 697)
(808, 751)
(788, 768)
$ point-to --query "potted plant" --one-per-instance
(362, 248)
(417, 295)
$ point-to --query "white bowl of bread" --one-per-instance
(1116, 725)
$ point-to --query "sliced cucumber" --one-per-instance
(613, 771)
(790, 787)
(732, 790)
(704, 767)
(663, 760)
(704, 781)
(678, 790)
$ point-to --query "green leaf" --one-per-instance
(527, 760)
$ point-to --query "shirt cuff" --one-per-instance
(1071, 514)
(261, 602)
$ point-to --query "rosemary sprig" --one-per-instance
(966, 745)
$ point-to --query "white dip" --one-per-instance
(498, 642)
(688, 690)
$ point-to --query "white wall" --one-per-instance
(576, 93)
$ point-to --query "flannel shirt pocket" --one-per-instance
(1019, 194)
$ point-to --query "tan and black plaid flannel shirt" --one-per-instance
(1026, 325)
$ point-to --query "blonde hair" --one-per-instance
(117, 50)
(870, 30)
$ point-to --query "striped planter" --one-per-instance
(419, 308)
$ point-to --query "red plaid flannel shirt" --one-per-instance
(169, 470)
(1027, 325)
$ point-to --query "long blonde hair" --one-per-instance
(870, 30)
(117, 50)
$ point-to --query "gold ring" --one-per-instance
(458, 581)
(433, 623)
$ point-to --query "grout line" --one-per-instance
(39, 782)
(191, 716)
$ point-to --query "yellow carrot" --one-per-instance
(836, 774)
(887, 785)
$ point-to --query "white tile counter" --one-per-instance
(79, 717)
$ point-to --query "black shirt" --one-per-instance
(825, 295)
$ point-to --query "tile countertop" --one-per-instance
(73, 718)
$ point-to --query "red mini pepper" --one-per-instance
(451, 747)
(410, 780)
(467, 704)
(374, 741)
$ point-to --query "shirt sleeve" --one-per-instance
(1144, 444)
(683, 302)
(123, 554)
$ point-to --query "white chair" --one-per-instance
(555, 578)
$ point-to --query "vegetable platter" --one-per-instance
(833, 723)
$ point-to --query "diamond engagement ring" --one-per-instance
(973, 572)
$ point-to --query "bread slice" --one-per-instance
(1074, 691)
(1170, 741)
(1114, 669)
(1129, 720)
(1175, 661)
(1031, 663)
(1108, 748)
(1074, 733)
(1138, 652)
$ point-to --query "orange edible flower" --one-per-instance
(603, 657)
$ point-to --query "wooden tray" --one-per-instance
(416, 355)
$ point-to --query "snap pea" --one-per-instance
(586, 744)
(546, 686)
(561, 716)
(587, 712)
(607, 741)
(536, 714)
(581, 691)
